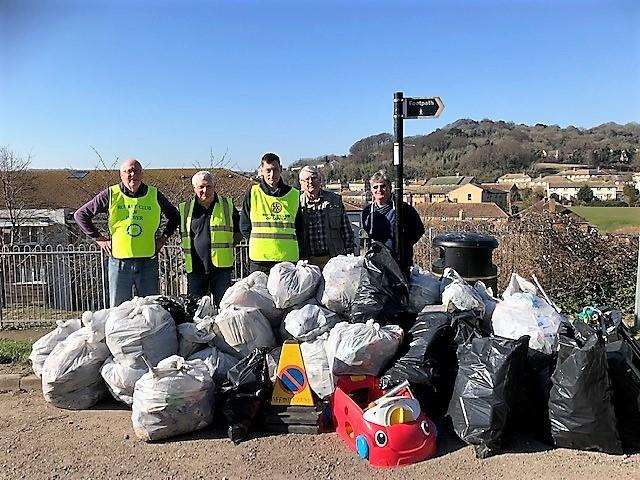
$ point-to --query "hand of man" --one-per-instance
(161, 241)
(105, 244)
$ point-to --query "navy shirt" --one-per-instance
(201, 236)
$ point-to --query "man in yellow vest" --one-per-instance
(209, 228)
(134, 210)
(271, 218)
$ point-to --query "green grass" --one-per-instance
(609, 219)
(14, 351)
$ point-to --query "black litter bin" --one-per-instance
(469, 254)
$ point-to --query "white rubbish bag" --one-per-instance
(518, 284)
(121, 378)
(361, 348)
(71, 373)
(45, 345)
(240, 330)
(141, 329)
(252, 292)
(96, 322)
(527, 314)
(459, 295)
(424, 289)
(308, 322)
(173, 398)
(341, 277)
(291, 285)
(205, 308)
(219, 363)
(192, 338)
(316, 365)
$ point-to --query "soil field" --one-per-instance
(39, 441)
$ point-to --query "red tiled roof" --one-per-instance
(504, 187)
(469, 210)
(72, 188)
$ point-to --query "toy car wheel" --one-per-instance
(362, 447)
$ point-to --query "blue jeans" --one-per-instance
(127, 273)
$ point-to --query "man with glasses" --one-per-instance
(379, 220)
(327, 229)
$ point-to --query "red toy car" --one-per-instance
(386, 429)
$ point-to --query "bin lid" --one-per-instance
(465, 239)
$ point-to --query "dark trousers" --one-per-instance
(215, 283)
(261, 266)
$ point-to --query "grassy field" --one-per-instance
(14, 351)
(609, 219)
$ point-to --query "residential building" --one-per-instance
(437, 188)
(568, 191)
(520, 180)
(472, 193)
(579, 174)
(334, 186)
(445, 211)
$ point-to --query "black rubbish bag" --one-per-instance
(530, 411)
(245, 391)
(467, 325)
(182, 309)
(489, 370)
(429, 363)
(383, 290)
(580, 403)
(623, 360)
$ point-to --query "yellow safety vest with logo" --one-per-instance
(273, 232)
(221, 229)
(133, 223)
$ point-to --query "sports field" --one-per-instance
(609, 219)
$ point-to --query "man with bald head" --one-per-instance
(134, 210)
(209, 229)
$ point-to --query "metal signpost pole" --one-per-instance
(636, 310)
(407, 108)
(398, 152)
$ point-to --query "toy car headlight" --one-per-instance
(380, 438)
(425, 428)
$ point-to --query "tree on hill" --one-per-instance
(630, 195)
(585, 194)
(488, 149)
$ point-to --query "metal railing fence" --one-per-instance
(42, 284)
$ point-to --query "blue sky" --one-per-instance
(168, 81)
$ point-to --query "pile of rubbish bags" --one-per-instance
(489, 367)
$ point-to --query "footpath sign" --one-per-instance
(407, 108)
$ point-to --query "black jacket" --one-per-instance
(280, 191)
(379, 228)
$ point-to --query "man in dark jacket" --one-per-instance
(271, 218)
(379, 220)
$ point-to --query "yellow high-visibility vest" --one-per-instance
(273, 231)
(220, 228)
(133, 223)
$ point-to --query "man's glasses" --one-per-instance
(309, 180)
(381, 186)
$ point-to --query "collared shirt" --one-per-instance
(313, 211)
